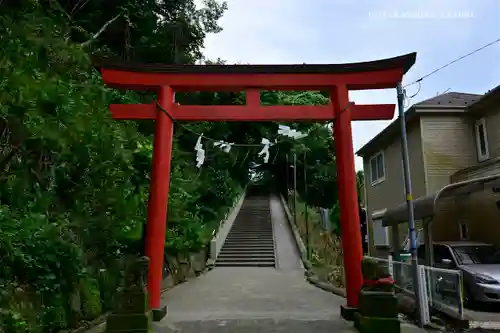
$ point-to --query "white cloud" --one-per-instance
(336, 31)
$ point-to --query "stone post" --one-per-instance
(132, 313)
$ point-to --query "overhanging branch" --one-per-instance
(103, 28)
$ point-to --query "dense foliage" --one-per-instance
(74, 183)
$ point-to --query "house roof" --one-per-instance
(451, 101)
(454, 99)
(490, 95)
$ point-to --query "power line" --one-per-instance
(452, 62)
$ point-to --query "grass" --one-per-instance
(325, 248)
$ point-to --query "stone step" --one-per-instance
(251, 234)
(248, 250)
(269, 242)
(255, 231)
(267, 249)
(250, 242)
(245, 260)
(260, 240)
(246, 254)
(246, 264)
(243, 239)
(250, 237)
(245, 257)
(266, 225)
(251, 247)
(249, 231)
(251, 228)
(256, 210)
(265, 228)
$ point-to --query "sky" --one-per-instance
(343, 31)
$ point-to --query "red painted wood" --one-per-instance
(249, 113)
(252, 98)
(349, 209)
(158, 200)
(373, 111)
(380, 79)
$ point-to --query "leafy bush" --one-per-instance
(74, 183)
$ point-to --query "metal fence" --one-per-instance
(403, 274)
(444, 289)
(324, 218)
(441, 289)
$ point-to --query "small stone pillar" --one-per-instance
(132, 313)
(378, 305)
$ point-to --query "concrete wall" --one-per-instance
(448, 146)
(218, 241)
(390, 193)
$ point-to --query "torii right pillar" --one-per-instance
(348, 197)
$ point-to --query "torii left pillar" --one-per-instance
(158, 200)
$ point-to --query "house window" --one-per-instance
(380, 233)
(481, 140)
(377, 171)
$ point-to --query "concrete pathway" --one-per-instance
(240, 300)
(251, 300)
(287, 254)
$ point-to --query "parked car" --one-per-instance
(479, 264)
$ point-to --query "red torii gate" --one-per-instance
(337, 78)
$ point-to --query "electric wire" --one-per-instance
(452, 62)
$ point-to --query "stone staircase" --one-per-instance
(250, 242)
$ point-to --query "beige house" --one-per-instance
(451, 138)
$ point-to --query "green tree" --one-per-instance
(74, 183)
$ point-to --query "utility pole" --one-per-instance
(286, 179)
(409, 197)
(295, 189)
(306, 212)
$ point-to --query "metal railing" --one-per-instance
(444, 288)
(441, 289)
(403, 274)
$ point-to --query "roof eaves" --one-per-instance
(495, 92)
(424, 108)
(392, 128)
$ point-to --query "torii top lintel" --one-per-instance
(379, 74)
(253, 78)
